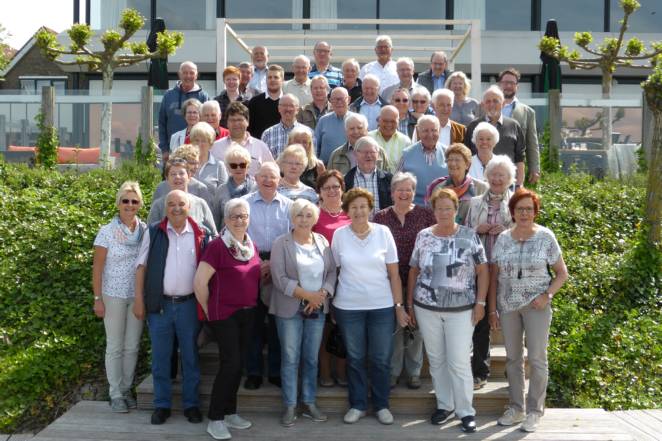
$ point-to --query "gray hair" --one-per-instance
(501, 161)
(128, 187)
(383, 39)
(173, 193)
(191, 102)
(420, 90)
(495, 90)
(320, 78)
(291, 96)
(366, 141)
(235, 203)
(484, 125)
(441, 54)
(189, 64)
(400, 177)
(301, 204)
(353, 116)
(353, 62)
(211, 103)
(371, 77)
(428, 118)
(407, 60)
(303, 58)
(443, 92)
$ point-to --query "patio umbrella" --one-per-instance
(158, 67)
(551, 68)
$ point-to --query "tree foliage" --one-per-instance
(4, 58)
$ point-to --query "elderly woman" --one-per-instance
(369, 288)
(465, 109)
(400, 99)
(448, 279)
(293, 161)
(191, 111)
(240, 183)
(315, 167)
(113, 277)
(405, 220)
(449, 131)
(304, 277)
(488, 216)
(210, 112)
(458, 159)
(485, 136)
(521, 291)
(351, 80)
(419, 105)
(210, 171)
(226, 285)
(231, 79)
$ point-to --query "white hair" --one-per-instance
(211, 103)
(371, 77)
(190, 64)
(495, 90)
(383, 39)
(290, 96)
(366, 141)
(403, 177)
(235, 203)
(420, 90)
(353, 116)
(484, 125)
(407, 60)
(303, 58)
(443, 92)
(428, 118)
(353, 62)
(302, 204)
(501, 161)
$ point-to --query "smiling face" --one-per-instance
(485, 143)
(388, 122)
(237, 221)
(304, 220)
(457, 86)
(129, 205)
(350, 74)
(300, 68)
(178, 178)
(366, 158)
(492, 104)
(339, 101)
(401, 102)
(319, 91)
(267, 180)
(403, 193)
(211, 116)
(444, 211)
(287, 107)
(234, 166)
(192, 116)
(438, 64)
(259, 56)
(420, 103)
(331, 191)
(302, 139)
(405, 72)
(246, 75)
(355, 130)
(370, 90)
(457, 167)
(292, 168)
(383, 50)
(525, 212)
(499, 180)
(231, 82)
(177, 207)
(359, 211)
(428, 133)
(322, 54)
(508, 84)
(187, 75)
(274, 81)
(443, 107)
(237, 126)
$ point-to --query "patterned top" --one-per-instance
(369, 182)
(276, 137)
(447, 278)
(332, 74)
(523, 267)
(301, 192)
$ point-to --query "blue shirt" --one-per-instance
(330, 134)
(268, 219)
(425, 166)
(507, 109)
(333, 75)
(438, 82)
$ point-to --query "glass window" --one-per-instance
(106, 14)
(412, 9)
(260, 9)
(574, 15)
(508, 15)
(355, 9)
(184, 15)
(648, 18)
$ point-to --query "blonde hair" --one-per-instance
(203, 130)
(461, 75)
(128, 187)
(296, 150)
(236, 151)
(310, 151)
(187, 152)
(444, 193)
(302, 204)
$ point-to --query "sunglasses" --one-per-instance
(234, 166)
(402, 100)
(418, 101)
(131, 201)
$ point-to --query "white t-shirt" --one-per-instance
(310, 266)
(363, 281)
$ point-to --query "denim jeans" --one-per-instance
(299, 339)
(179, 319)
(368, 332)
(254, 359)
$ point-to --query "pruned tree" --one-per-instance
(583, 124)
(653, 92)
(117, 52)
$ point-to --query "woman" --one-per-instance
(488, 216)
(485, 136)
(521, 291)
(448, 279)
(368, 290)
(465, 109)
(240, 183)
(209, 171)
(420, 105)
(304, 277)
(191, 111)
(292, 162)
(113, 278)
(226, 285)
(231, 79)
(351, 80)
(458, 160)
(315, 167)
(330, 187)
(400, 99)
(405, 220)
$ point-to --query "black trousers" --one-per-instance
(480, 361)
(233, 336)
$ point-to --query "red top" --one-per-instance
(327, 224)
(222, 133)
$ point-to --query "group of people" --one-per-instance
(401, 222)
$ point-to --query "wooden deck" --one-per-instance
(93, 421)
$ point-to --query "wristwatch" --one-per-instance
(97, 298)
(399, 305)
(480, 302)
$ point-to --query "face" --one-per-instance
(428, 133)
(187, 75)
(192, 116)
(237, 167)
(274, 81)
(211, 116)
(492, 104)
(457, 86)
(246, 74)
(331, 191)
(405, 72)
(420, 103)
(304, 220)
(267, 180)
(302, 139)
(322, 54)
(355, 130)
(300, 69)
(403, 193)
(438, 64)
(231, 82)
(292, 167)
(457, 167)
(359, 210)
(129, 204)
(350, 73)
(524, 212)
(192, 165)
(178, 178)
(318, 90)
(287, 109)
(339, 101)
(237, 221)
(401, 101)
(485, 142)
(444, 211)
(388, 123)
(366, 158)
(383, 50)
(370, 90)
(259, 57)
(202, 143)
(177, 208)
(237, 125)
(508, 85)
(499, 180)
(443, 107)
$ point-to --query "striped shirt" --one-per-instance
(276, 137)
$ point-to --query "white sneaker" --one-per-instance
(218, 430)
(353, 415)
(531, 423)
(385, 416)
(511, 417)
(234, 421)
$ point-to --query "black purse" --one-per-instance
(335, 344)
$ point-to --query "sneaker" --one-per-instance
(511, 417)
(118, 405)
(326, 382)
(218, 430)
(289, 416)
(394, 381)
(530, 424)
(385, 416)
(468, 424)
(353, 415)
(479, 383)
(131, 402)
(414, 382)
(234, 421)
(312, 411)
(342, 382)
(440, 416)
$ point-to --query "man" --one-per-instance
(435, 77)
(511, 137)
(246, 70)
(370, 103)
(367, 175)
(320, 106)
(330, 129)
(299, 86)
(525, 116)
(171, 119)
(263, 108)
(343, 158)
(210, 112)
(405, 69)
(449, 130)
(164, 292)
(384, 67)
(322, 53)
(270, 218)
(238, 117)
(387, 135)
(258, 82)
(276, 136)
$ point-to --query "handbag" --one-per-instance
(335, 344)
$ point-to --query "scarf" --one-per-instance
(242, 251)
(237, 191)
(126, 236)
(464, 191)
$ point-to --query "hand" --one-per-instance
(494, 321)
(401, 315)
(497, 229)
(139, 309)
(265, 271)
(541, 301)
(534, 177)
(99, 308)
(477, 314)
(412, 316)
(483, 228)
(315, 299)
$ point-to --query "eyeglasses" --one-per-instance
(419, 101)
(234, 166)
(524, 209)
(331, 188)
(295, 164)
(401, 100)
(236, 217)
(131, 201)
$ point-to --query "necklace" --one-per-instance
(332, 213)
(361, 234)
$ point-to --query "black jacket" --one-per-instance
(383, 186)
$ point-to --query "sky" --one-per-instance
(22, 18)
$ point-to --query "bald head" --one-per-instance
(177, 206)
(260, 56)
(388, 121)
(340, 101)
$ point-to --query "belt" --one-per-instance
(178, 299)
(265, 255)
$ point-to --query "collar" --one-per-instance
(277, 198)
(499, 121)
(367, 175)
(436, 147)
(294, 124)
(365, 103)
(280, 95)
(305, 83)
(187, 228)
(436, 76)
(196, 87)
(448, 124)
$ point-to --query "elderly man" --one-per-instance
(246, 70)
(343, 158)
(299, 86)
(449, 130)
(171, 119)
(322, 53)
(511, 136)
(238, 124)
(367, 175)
(435, 77)
(263, 108)
(320, 106)
(383, 67)
(387, 135)
(258, 82)
(276, 136)
(351, 80)
(210, 112)
(164, 292)
(425, 159)
(526, 117)
(369, 103)
(270, 218)
(405, 69)
(330, 129)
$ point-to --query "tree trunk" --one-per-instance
(106, 116)
(612, 160)
(654, 188)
